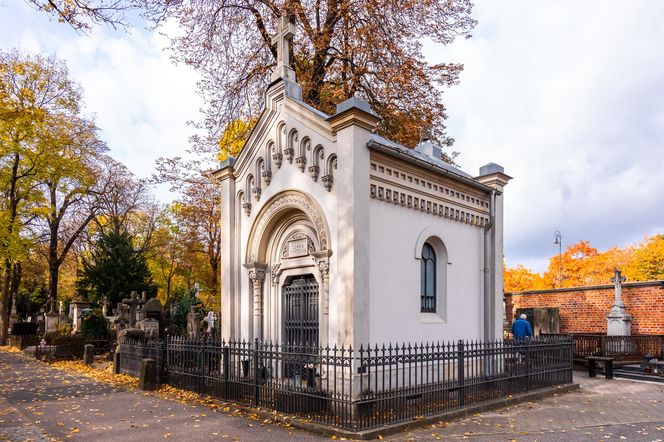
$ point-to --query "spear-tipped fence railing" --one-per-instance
(358, 389)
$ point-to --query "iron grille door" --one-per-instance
(301, 312)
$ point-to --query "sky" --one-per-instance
(567, 96)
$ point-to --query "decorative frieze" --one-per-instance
(394, 183)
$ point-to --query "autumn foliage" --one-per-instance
(584, 265)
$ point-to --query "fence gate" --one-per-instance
(301, 312)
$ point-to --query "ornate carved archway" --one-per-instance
(270, 222)
(271, 213)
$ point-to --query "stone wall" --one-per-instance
(584, 309)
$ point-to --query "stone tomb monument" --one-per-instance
(152, 323)
(618, 321)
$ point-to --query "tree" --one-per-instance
(521, 279)
(371, 48)
(69, 185)
(647, 260)
(82, 14)
(115, 268)
(197, 213)
(35, 96)
(167, 257)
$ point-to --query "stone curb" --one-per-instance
(327, 430)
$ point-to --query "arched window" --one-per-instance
(428, 279)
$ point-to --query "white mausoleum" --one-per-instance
(332, 234)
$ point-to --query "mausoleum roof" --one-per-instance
(398, 148)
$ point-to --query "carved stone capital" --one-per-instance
(288, 154)
(277, 157)
(257, 192)
(257, 276)
(301, 162)
(267, 177)
(327, 181)
(313, 172)
(247, 208)
(324, 268)
(274, 273)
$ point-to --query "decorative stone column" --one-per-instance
(618, 322)
(257, 276)
(323, 264)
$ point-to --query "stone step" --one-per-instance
(638, 376)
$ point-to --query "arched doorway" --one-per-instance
(287, 259)
(300, 301)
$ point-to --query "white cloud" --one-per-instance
(141, 101)
(567, 97)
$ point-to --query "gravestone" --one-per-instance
(210, 321)
(153, 309)
(618, 321)
(133, 302)
(77, 314)
(13, 315)
(121, 320)
(194, 323)
(150, 327)
(88, 354)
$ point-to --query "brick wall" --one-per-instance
(584, 309)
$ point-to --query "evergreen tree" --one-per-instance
(115, 270)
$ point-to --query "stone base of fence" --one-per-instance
(386, 430)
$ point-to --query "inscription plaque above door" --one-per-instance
(298, 247)
(297, 244)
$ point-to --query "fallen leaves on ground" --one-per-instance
(8, 349)
(105, 375)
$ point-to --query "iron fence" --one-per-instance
(356, 389)
(133, 351)
(621, 348)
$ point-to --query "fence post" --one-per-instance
(602, 345)
(528, 342)
(201, 359)
(226, 363)
(255, 386)
(461, 373)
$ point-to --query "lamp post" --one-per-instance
(559, 242)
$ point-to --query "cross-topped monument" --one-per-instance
(617, 280)
(281, 41)
(618, 321)
(133, 302)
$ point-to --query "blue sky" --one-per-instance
(567, 96)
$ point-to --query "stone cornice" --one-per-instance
(353, 116)
(497, 179)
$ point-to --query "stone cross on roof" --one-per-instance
(282, 41)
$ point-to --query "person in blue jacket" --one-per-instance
(521, 328)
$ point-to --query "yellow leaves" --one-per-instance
(72, 432)
(234, 136)
(105, 376)
(8, 349)
(584, 265)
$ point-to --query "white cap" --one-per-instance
(523, 316)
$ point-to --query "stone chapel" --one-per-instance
(335, 235)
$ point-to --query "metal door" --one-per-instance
(300, 307)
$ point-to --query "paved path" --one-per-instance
(600, 410)
(41, 403)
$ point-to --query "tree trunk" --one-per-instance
(16, 282)
(4, 302)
